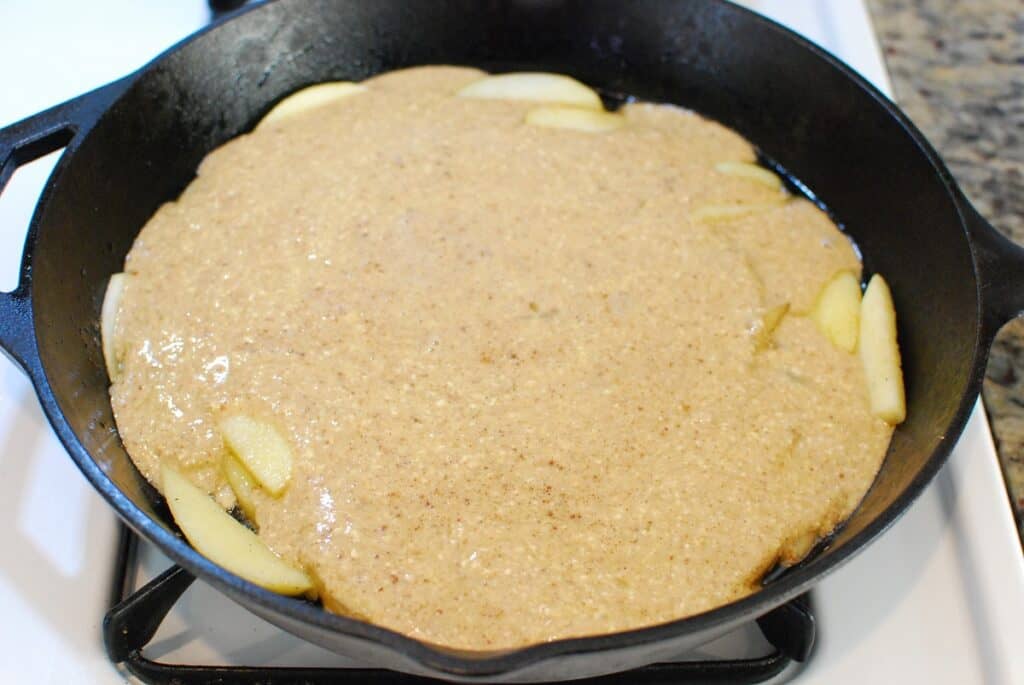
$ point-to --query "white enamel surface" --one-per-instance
(938, 599)
(56, 548)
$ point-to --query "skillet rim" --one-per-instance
(445, 661)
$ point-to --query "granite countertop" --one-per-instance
(958, 70)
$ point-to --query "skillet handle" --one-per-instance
(1000, 264)
(20, 143)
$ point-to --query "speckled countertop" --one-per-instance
(958, 71)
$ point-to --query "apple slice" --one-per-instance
(261, 449)
(880, 353)
(243, 485)
(536, 86)
(798, 546)
(588, 120)
(108, 325)
(751, 172)
(310, 98)
(716, 213)
(765, 326)
(225, 541)
(837, 310)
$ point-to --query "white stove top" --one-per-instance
(939, 599)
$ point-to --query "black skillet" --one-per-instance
(135, 143)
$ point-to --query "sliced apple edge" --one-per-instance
(836, 312)
(715, 213)
(880, 353)
(798, 546)
(225, 541)
(261, 449)
(751, 172)
(535, 86)
(108, 325)
(575, 118)
(764, 328)
(310, 98)
(242, 484)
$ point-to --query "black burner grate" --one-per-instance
(134, 619)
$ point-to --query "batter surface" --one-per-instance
(519, 379)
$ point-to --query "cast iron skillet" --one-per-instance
(135, 143)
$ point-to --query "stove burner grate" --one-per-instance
(135, 616)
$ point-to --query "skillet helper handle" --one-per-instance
(1000, 264)
(20, 143)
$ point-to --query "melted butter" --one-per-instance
(518, 380)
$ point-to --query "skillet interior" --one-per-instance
(830, 131)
